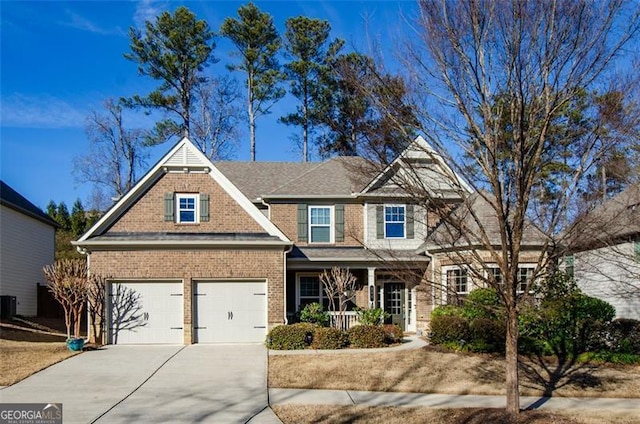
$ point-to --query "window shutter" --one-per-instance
(380, 221)
(339, 223)
(204, 207)
(169, 204)
(302, 222)
(410, 221)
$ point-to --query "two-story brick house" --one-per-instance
(204, 252)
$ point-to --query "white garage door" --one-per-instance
(146, 312)
(230, 312)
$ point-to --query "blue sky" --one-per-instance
(60, 60)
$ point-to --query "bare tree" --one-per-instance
(216, 117)
(496, 84)
(69, 285)
(115, 155)
(339, 285)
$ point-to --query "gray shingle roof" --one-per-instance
(338, 176)
(463, 230)
(14, 200)
(352, 254)
(616, 219)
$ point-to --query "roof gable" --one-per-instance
(421, 166)
(14, 200)
(185, 157)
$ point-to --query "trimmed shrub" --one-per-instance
(290, 337)
(366, 336)
(449, 328)
(487, 335)
(329, 338)
(314, 314)
(447, 310)
(393, 333)
(624, 336)
(610, 357)
(373, 316)
(481, 303)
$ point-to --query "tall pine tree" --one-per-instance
(306, 42)
(256, 38)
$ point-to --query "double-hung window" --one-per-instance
(525, 275)
(320, 224)
(457, 280)
(187, 208)
(394, 221)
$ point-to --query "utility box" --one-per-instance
(8, 306)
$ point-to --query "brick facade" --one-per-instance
(225, 215)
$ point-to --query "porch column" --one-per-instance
(371, 281)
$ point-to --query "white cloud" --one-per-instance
(147, 10)
(83, 24)
(42, 111)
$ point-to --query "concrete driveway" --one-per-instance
(178, 384)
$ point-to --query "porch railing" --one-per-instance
(350, 319)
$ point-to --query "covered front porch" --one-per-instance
(382, 281)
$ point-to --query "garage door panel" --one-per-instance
(146, 312)
(230, 312)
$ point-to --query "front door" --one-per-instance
(394, 295)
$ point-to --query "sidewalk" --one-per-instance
(348, 397)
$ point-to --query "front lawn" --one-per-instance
(428, 370)
(24, 352)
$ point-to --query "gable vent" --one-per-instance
(185, 156)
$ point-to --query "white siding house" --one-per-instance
(607, 253)
(27, 243)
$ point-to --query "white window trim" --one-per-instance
(331, 224)
(445, 283)
(532, 267)
(196, 198)
(308, 274)
(384, 220)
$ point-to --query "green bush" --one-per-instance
(482, 303)
(610, 357)
(449, 328)
(624, 336)
(366, 336)
(487, 335)
(314, 314)
(329, 338)
(393, 333)
(290, 337)
(447, 310)
(373, 316)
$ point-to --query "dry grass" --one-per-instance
(429, 371)
(290, 414)
(23, 353)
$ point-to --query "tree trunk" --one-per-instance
(511, 357)
(252, 118)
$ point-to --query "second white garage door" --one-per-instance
(230, 312)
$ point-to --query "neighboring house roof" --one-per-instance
(338, 177)
(14, 200)
(617, 219)
(462, 230)
(183, 156)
